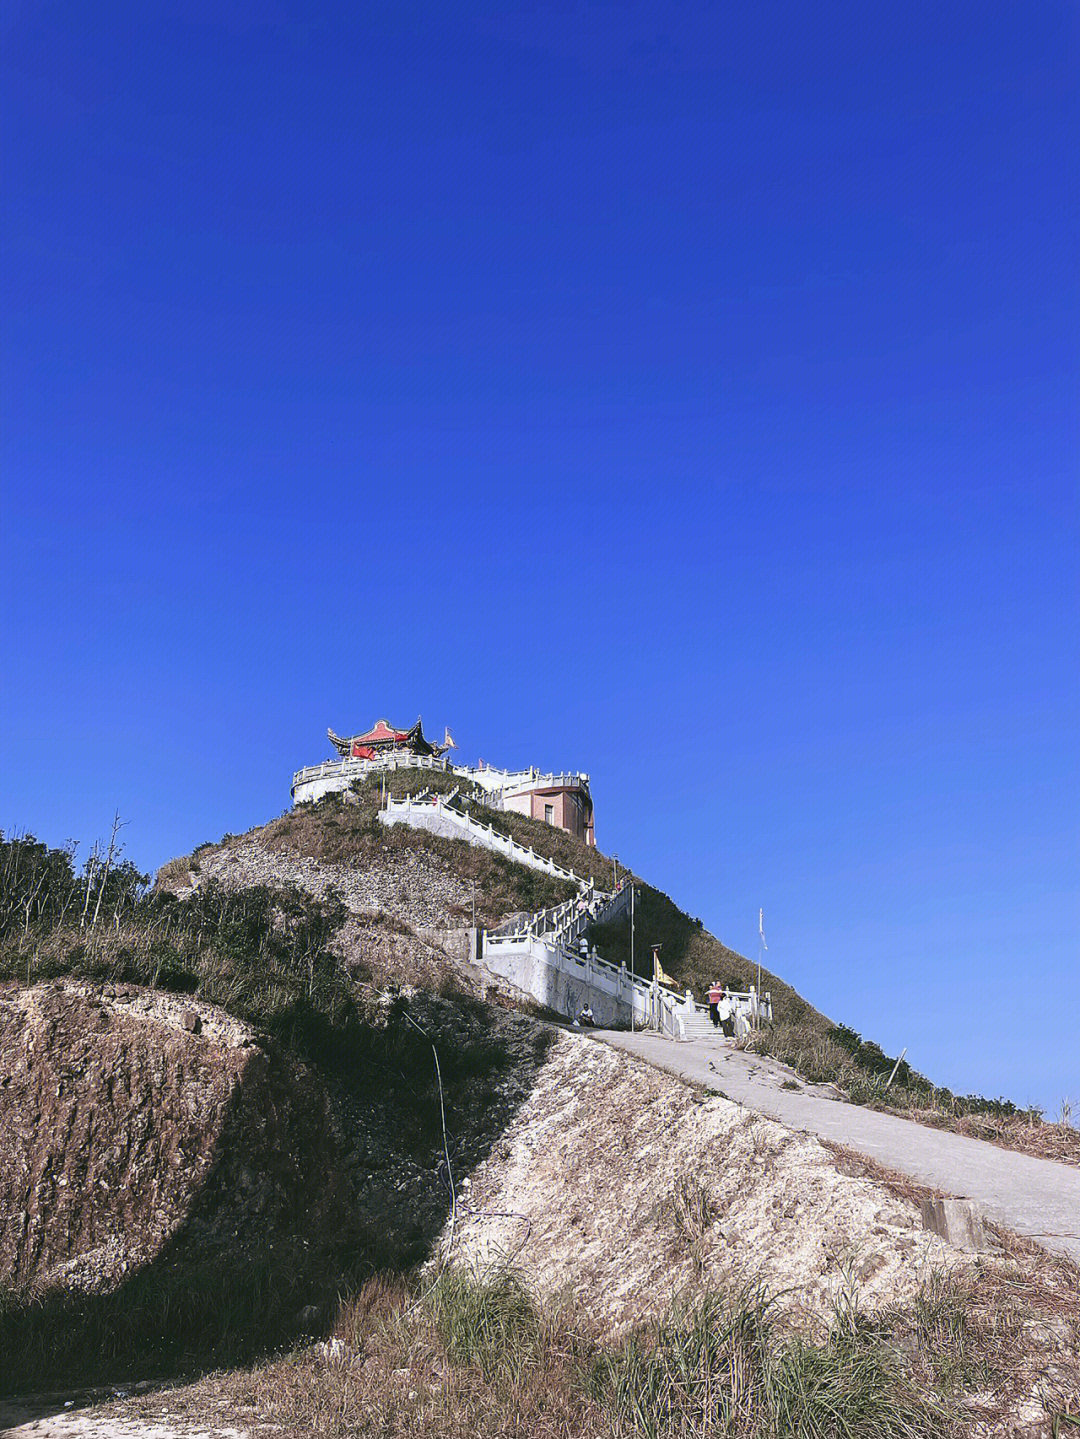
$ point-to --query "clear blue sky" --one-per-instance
(683, 393)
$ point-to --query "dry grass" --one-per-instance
(482, 1359)
(1021, 1311)
(692, 956)
(175, 872)
(817, 1057)
(1026, 1133)
(350, 835)
(471, 1362)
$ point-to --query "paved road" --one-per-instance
(1033, 1197)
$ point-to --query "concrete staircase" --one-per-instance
(699, 1025)
(436, 814)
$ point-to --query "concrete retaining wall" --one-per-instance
(535, 968)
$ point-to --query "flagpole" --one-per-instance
(757, 995)
(632, 991)
(760, 947)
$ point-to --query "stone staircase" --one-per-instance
(698, 1025)
(539, 952)
(436, 814)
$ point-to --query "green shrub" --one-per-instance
(725, 1366)
(490, 1323)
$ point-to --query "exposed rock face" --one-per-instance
(419, 890)
(131, 1120)
(620, 1182)
(406, 912)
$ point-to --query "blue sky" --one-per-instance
(685, 394)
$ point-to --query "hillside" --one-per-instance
(347, 838)
(397, 864)
(263, 1102)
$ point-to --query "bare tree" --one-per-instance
(71, 849)
(91, 868)
(113, 852)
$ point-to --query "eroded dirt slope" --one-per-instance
(128, 1116)
(628, 1187)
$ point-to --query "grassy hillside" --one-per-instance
(266, 956)
(348, 833)
(690, 954)
(345, 830)
(800, 1036)
(500, 1362)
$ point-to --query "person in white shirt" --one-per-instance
(725, 1013)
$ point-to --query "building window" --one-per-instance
(549, 814)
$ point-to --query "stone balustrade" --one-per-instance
(333, 775)
(435, 815)
(493, 785)
(565, 980)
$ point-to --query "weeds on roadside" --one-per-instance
(725, 1367)
(479, 1356)
(860, 1070)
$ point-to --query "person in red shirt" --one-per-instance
(715, 991)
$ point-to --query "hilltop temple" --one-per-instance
(561, 800)
(383, 739)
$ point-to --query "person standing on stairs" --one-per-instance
(715, 993)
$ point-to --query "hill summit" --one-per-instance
(304, 1090)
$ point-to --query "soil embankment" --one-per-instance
(631, 1189)
(176, 1190)
(126, 1114)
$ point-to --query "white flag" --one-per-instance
(761, 927)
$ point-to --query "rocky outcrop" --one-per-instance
(407, 911)
(132, 1120)
(415, 887)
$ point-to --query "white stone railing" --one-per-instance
(538, 952)
(338, 774)
(434, 814)
(499, 782)
(491, 787)
(563, 923)
(538, 964)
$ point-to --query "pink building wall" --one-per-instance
(566, 807)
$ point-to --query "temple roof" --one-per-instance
(383, 733)
(383, 736)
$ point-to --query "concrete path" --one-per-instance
(1033, 1197)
